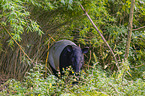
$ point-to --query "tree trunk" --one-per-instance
(129, 29)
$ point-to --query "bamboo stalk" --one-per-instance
(129, 30)
(46, 63)
(17, 43)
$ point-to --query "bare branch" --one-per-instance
(101, 36)
(138, 28)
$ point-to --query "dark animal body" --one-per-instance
(65, 53)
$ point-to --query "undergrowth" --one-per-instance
(92, 82)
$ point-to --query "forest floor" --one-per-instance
(3, 79)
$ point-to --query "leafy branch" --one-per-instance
(17, 43)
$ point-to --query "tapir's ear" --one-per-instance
(69, 48)
(85, 50)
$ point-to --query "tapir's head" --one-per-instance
(76, 57)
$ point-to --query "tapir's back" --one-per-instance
(55, 51)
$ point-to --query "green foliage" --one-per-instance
(15, 15)
(92, 82)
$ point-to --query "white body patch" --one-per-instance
(55, 51)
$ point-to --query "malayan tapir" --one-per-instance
(65, 53)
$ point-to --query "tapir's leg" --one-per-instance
(54, 71)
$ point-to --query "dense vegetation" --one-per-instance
(93, 82)
(29, 27)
